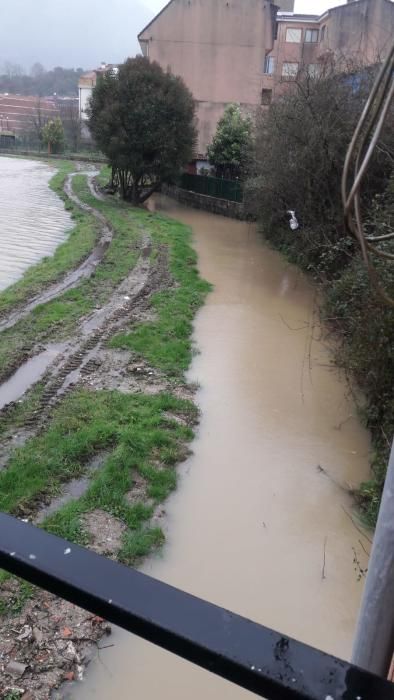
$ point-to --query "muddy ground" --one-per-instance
(45, 644)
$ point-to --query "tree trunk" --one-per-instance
(135, 194)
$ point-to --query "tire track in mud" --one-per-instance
(65, 372)
(60, 658)
(83, 271)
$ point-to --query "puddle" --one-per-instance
(27, 374)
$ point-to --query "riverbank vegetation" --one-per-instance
(77, 246)
(163, 340)
(112, 413)
(301, 144)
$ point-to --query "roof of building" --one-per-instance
(155, 18)
(91, 76)
(293, 17)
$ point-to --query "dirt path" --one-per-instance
(83, 271)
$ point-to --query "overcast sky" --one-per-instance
(82, 33)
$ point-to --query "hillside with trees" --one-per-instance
(41, 82)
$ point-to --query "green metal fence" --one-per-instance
(213, 186)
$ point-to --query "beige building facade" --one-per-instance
(86, 85)
(219, 49)
(246, 51)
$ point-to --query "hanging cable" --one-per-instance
(368, 131)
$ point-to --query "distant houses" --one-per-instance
(87, 83)
(22, 118)
(21, 115)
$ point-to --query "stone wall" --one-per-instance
(234, 210)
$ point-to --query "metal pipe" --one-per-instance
(374, 641)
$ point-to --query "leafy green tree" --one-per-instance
(53, 134)
(143, 120)
(231, 145)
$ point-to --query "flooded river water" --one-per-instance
(33, 220)
(255, 525)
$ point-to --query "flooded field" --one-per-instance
(261, 522)
(33, 220)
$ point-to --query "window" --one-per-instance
(269, 65)
(289, 71)
(313, 70)
(323, 32)
(266, 97)
(311, 36)
(293, 36)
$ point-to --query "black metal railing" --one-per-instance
(254, 657)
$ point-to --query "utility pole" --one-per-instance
(374, 641)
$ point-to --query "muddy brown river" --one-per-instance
(33, 220)
(261, 520)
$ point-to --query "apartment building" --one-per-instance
(358, 33)
(247, 51)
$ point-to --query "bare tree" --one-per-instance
(37, 121)
(300, 152)
(12, 70)
(69, 114)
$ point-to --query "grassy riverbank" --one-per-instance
(58, 319)
(134, 433)
(135, 438)
(166, 341)
(78, 244)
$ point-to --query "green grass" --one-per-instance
(68, 255)
(139, 435)
(58, 319)
(166, 342)
(105, 175)
(17, 415)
